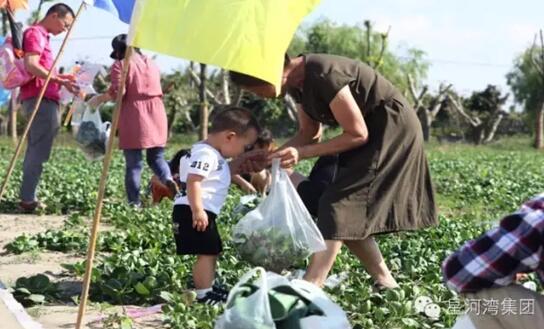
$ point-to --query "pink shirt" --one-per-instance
(36, 41)
(143, 122)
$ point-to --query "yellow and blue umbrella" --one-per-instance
(247, 36)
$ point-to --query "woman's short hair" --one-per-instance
(245, 80)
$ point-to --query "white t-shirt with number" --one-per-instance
(206, 161)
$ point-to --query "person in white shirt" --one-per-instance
(205, 177)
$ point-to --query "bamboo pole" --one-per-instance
(12, 107)
(101, 192)
(38, 103)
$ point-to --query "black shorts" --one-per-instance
(189, 241)
(321, 176)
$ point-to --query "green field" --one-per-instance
(136, 262)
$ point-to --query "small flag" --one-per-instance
(120, 8)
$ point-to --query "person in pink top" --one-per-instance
(143, 122)
(38, 61)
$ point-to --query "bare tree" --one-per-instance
(375, 62)
(483, 131)
(203, 129)
(427, 113)
(225, 84)
(291, 107)
(368, 26)
(198, 81)
(537, 59)
(239, 96)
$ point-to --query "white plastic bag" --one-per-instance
(280, 231)
(85, 74)
(254, 312)
(333, 318)
(464, 322)
(92, 134)
(79, 107)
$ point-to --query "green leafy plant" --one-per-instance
(136, 261)
(36, 289)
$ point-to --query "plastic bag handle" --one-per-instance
(276, 170)
(245, 278)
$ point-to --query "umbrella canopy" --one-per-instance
(247, 36)
(14, 4)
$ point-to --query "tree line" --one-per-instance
(194, 92)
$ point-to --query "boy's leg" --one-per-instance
(204, 271)
(133, 173)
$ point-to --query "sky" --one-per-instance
(469, 43)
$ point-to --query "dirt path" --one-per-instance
(14, 266)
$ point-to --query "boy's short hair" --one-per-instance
(61, 10)
(237, 119)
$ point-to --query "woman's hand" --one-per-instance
(252, 161)
(95, 101)
(289, 156)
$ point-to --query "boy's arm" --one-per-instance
(194, 196)
(243, 184)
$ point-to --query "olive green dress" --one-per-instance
(384, 185)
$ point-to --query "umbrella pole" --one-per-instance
(101, 192)
(38, 103)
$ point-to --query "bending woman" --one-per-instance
(382, 182)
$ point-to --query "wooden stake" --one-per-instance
(12, 108)
(38, 103)
(101, 192)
